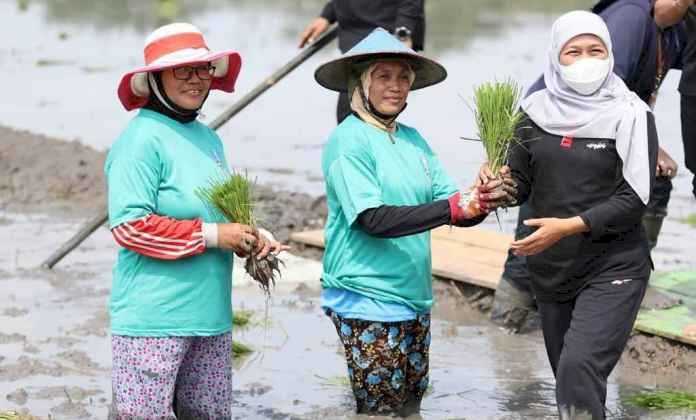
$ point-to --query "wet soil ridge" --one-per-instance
(41, 171)
(37, 170)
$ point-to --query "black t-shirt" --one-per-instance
(357, 18)
(687, 85)
(562, 177)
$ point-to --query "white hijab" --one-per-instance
(613, 112)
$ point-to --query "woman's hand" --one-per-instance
(315, 28)
(238, 237)
(550, 230)
(494, 192)
(267, 244)
(666, 166)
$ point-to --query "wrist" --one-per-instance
(455, 210)
(574, 225)
(210, 234)
(266, 234)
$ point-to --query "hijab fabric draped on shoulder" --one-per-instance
(612, 112)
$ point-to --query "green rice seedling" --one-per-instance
(240, 349)
(13, 415)
(497, 115)
(664, 400)
(690, 220)
(233, 197)
(241, 318)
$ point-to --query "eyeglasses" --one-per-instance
(204, 72)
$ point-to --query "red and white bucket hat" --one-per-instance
(175, 45)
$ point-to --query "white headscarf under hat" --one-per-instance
(360, 96)
(613, 112)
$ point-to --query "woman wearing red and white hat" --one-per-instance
(171, 315)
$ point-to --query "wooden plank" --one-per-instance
(476, 256)
(468, 263)
(470, 255)
(309, 237)
(480, 238)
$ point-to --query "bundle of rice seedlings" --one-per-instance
(13, 415)
(241, 318)
(233, 197)
(240, 349)
(497, 114)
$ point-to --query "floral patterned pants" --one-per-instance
(148, 372)
(387, 362)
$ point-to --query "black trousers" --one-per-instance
(584, 340)
(688, 126)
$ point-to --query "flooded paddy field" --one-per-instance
(54, 345)
(55, 348)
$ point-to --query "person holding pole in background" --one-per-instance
(170, 310)
(357, 18)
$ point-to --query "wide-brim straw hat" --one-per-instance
(379, 43)
(175, 45)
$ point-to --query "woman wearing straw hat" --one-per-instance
(385, 190)
(171, 315)
(586, 168)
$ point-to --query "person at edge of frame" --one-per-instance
(669, 13)
(643, 55)
(357, 18)
(585, 162)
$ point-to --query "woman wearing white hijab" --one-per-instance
(585, 163)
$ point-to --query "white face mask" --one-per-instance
(587, 75)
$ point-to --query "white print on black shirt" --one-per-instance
(620, 282)
(596, 146)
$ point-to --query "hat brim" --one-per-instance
(133, 91)
(335, 74)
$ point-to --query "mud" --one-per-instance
(659, 356)
(65, 173)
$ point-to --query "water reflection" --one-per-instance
(453, 23)
(450, 23)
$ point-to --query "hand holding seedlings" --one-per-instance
(238, 237)
(232, 196)
(497, 115)
(500, 191)
(264, 246)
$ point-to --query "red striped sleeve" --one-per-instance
(161, 237)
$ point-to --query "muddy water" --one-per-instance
(65, 59)
(55, 354)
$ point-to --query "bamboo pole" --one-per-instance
(98, 220)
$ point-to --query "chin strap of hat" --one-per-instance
(161, 103)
